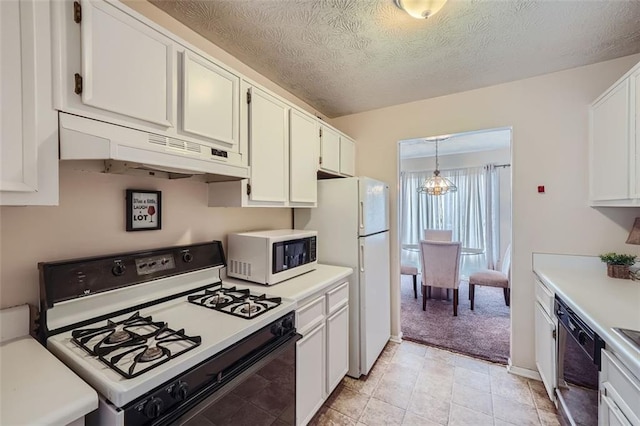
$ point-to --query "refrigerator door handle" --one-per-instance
(361, 257)
(361, 214)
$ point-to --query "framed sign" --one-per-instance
(144, 210)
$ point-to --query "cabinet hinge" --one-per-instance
(248, 189)
(78, 84)
(248, 97)
(320, 160)
(77, 12)
(320, 131)
(553, 334)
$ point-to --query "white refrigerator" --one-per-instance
(352, 220)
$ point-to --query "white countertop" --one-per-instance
(36, 388)
(602, 302)
(300, 287)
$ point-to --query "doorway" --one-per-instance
(478, 214)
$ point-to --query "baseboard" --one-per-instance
(396, 339)
(524, 372)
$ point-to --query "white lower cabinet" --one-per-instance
(619, 393)
(545, 338)
(322, 357)
(337, 341)
(310, 374)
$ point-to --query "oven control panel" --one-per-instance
(149, 265)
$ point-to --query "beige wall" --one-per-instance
(90, 221)
(549, 119)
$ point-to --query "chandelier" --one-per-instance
(436, 184)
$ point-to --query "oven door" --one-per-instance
(262, 393)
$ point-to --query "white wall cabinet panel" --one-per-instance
(310, 374)
(337, 347)
(347, 156)
(268, 147)
(303, 150)
(545, 344)
(614, 157)
(28, 126)
(210, 99)
(127, 68)
(330, 150)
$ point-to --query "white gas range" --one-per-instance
(161, 340)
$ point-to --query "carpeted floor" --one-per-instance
(482, 333)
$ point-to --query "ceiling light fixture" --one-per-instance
(436, 184)
(420, 9)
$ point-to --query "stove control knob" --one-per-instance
(118, 269)
(180, 391)
(277, 330)
(582, 337)
(287, 323)
(187, 257)
(153, 408)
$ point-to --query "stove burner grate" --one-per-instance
(240, 303)
(127, 345)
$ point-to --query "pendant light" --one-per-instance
(436, 184)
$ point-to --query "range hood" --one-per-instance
(131, 151)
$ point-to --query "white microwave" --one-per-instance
(269, 257)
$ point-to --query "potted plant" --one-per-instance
(618, 264)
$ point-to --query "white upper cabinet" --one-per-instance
(347, 156)
(118, 67)
(329, 150)
(28, 122)
(614, 168)
(303, 145)
(268, 147)
(126, 68)
(210, 99)
(337, 153)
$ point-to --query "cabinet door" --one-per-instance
(609, 174)
(303, 143)
(545, 345)
(347, 156)
(337, 347)
(635, 140)
(330, 150)
(28, 122)
(310, 374)
(609, 414)
(268, 147)
(210, 97)
(127, 67)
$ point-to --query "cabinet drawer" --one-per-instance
(545, 297)
(337, 297)
(310, 315)
(618, 384)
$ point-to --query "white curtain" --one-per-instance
(471, 213)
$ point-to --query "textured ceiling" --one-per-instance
(348, 56)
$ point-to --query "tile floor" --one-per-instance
(413, 384)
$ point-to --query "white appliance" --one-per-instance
(269, 257)
(352, 220)
(161, 340)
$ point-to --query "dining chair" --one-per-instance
(438, 234)
(491, 278)
(440, 262)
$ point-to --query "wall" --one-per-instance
(549, 117)
(90, 221)
(475, 159)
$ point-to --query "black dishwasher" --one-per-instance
(579, 352)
